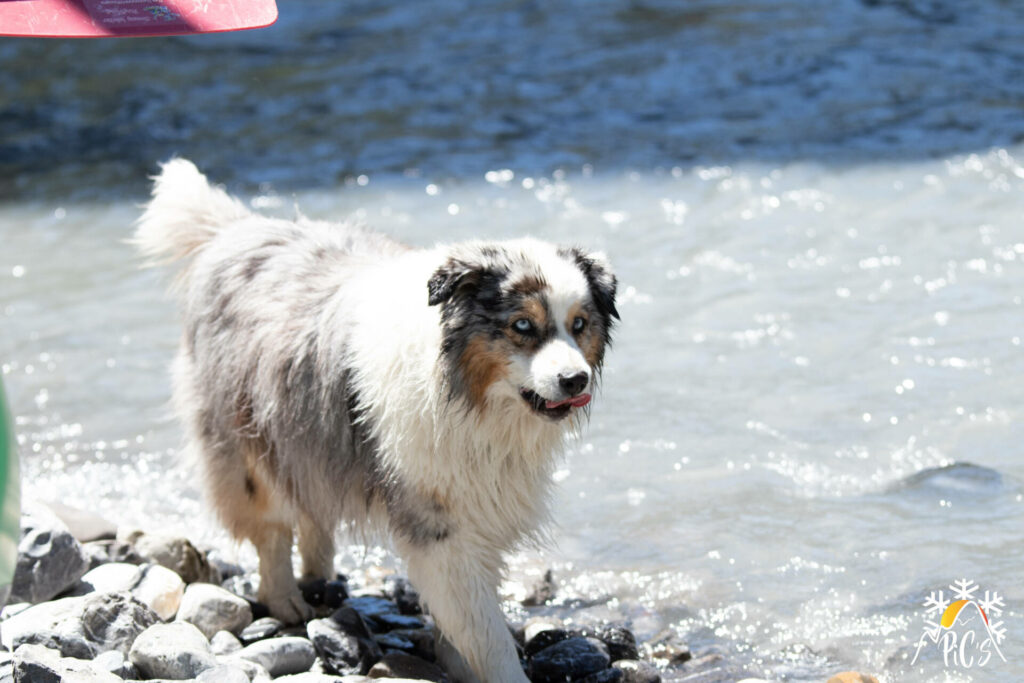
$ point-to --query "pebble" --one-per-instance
(605, 676)
(177, 651)
(211, 608)
(162, 589)
(620, 641)
(543, 591)
(402, 665)
(116, 663)
(545, 639)
(634, 671)
(113, 577)
(260, 629)
(39, 664)
(225, 673)
(82, 626)
(50, 559)
(569, 659)
(224, 643)
(175, 553)
(280, 656)
(343, 642)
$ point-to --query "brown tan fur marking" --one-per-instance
(590, 341)
(482, 365)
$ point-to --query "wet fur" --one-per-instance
(328, 374)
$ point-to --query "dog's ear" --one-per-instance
(602, 281)
(449, 278)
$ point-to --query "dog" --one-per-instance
(328, 374)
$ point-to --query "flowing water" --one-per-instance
(811, 418)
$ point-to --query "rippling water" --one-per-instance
(811, 418)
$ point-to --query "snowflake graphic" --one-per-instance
(998, 631)
(963, 589)
(992, 603)
(936, 602)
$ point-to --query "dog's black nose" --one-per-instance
(573, 384)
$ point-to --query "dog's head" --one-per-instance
(524, 320)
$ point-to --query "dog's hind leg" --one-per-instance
(316, 546)
(460, 587)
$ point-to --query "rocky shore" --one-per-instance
(94, 603)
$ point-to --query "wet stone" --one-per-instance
(635, 671)
(606, 676)
(344, 643)
(260, 629)
(569, 659)
(401, 665)
(620, 641)
(381, 614)
(401, 591)
(545, 639)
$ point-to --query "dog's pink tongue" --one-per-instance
(575, 401)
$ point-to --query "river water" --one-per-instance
(811, 418)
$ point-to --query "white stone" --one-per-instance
(176, 651)
(38, 663)
(280, 656)
(211, 608)
(224, 643)
(113, 577)
(161, 589)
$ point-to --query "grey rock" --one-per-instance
(175, 553)
(604, 676)
(116, 663)
(225, 567)
(569, 659)
(255, 672)
(401, 665)
(225, 673)
(671, 652)
(422, 639)
(50, 560)
(635, 671)
(260, 629)
(211, 608)
(310, 677)
(176, 651)
(403, 594)
(343, 642)
(82, 626)
(161, 589)
(6, 667)
(101, 552)
(243, 585)
(39, 664)
(280, 656)
(85, 526)
(13, 608)
(224, 643)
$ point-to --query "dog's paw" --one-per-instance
(290, 608)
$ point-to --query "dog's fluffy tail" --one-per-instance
(184, 213)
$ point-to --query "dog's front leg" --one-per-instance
(459, 584)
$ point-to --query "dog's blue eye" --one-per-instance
(578, 324)
(523, 326)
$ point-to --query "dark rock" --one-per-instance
(620, 641)
(83, 626)
(260, 629)
(543, 591)
(422, 639)
(50, 560)
(381, 614)
(570, 659)
(635, 671)
(401, 665)
(335, 593)
(344, 643)
(606, 676)
(279, 656)
(545, 639)
(85, 526)
(405, 596)
(177, 651)
(38, 664)
(313, 591)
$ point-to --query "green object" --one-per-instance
(10, 500)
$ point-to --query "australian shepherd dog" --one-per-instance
(328, 374)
